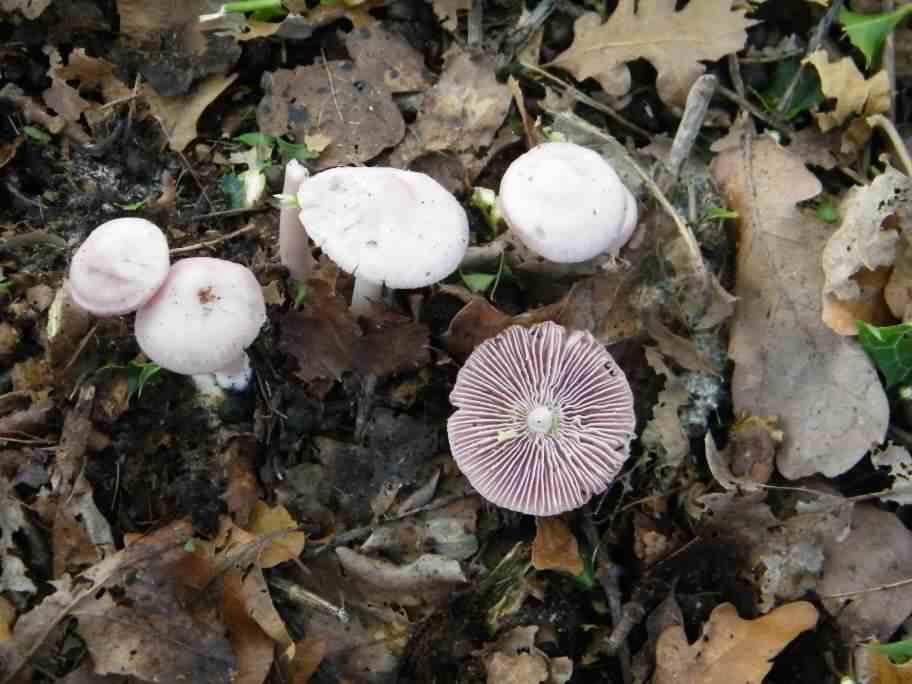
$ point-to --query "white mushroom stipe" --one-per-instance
(385, 226)
(544, 419)
(236, 376)
(119, 266)
(294, 247)
(566, 203)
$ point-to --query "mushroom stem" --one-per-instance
(235, 376)
(364, 293)
(294, 245)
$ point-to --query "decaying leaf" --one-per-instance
(13, 521)
(271, 520)
(664, 435)
(448, 12)
(515, 659)
(81, 72)
(730, 649)
(854, 94)
(179, 115)
(555, 547)
(336, 99)
(878, 551)
(422, 581)
(861, 241)
(387, 58)
(31, 9)
(898, 462)
(898, 292)
(787, 362)
(869, 305)
(674, 42)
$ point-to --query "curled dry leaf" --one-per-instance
(787, 362)
(674, 42)
(429, 577)
(877, 551)
(861, 241)
(179, 115)
(870, 305)
(555, 547)
(271, 521)
(843, 82)
(730, 649)
(898, 291)
(335, 99)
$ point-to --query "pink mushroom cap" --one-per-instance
(544, 419)
(207, 312)
(119, 267)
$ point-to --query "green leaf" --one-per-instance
(890, 347)
(868, 32)
(4, 285)
(719, 213)
(826, 211)
(300, 293)
(255, 139)
(807, 93)
(132, 206)
(296, 151)
(138, 374)
(244, 6)
(234, 190)
(478, 282)
(39, 135)
(899, 651)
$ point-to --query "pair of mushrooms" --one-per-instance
(404, 230)
(196, 317)
(544, 416)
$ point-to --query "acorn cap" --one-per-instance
(544, 419)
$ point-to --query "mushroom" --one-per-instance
(119, 266)
(544, 419)
(207, 312)
(566, 203)
(385, 226)
(294, 247)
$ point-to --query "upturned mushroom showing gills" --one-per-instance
(119, 266)
(566, 203)
(385, 226)
(207, 312)
(544, 419)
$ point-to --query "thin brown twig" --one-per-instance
(332, 85)
(214, 241)
(869, 590)
(774, 122)
(196, 178)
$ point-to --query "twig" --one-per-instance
(360, 532)
(771, 121)
(196, 178)
(223, 213)
(609, 577)
(82, 345)
(734, 71)
(332, 85)
(475, 36)
(869, 590)
(899, 147)
(698, 100)
(813, 45)
(586, 100)
(222, 238)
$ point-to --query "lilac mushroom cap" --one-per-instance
(544, 419)
(566, 203)
(119, 266)
(207, 312)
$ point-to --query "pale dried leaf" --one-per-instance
(854, 94)
(524, 668)
(448, 12)
(178, 116)
(878, 551)
(674, 42)
(387, 58)
(730, 649)
(555, 547)
(898, 291)
(31, 9)
(870, 306)
(787, 362)
(664, 435)
(415, 582)
(271, 521)
(861, 241)
(898, 462)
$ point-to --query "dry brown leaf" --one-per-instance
(178, 116)
(267, 521)
(869, 305)
(336, 99)
(861, 241)
(843, 82)
(730, 649)
(7, 617)
(877, 551)
(555, 547)
(460, 114)
(874, 667)
(448, 12)
(898, 291)
(898, 461)
(31, 9)
(674, 42)
(787, 362)
(429, 579)
(480, 320)
(523, 668)
(664, 435)
(309, 654)
(253, 648)
(87, 73)
(387, 58)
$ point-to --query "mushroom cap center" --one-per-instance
(540, 420)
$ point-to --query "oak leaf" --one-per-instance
(843, 82)
(730, 649)
(674, 42)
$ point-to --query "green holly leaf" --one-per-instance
(826, 210)
(300, 152)
(807, 93)
(868, 32)
(890, 347)
(39, 135)
(255, 139)
(478, 282)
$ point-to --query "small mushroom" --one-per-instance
(119, 266)
(207, 312)
(385, 226)
(294, 247)
(566, 203)
(544, 419)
